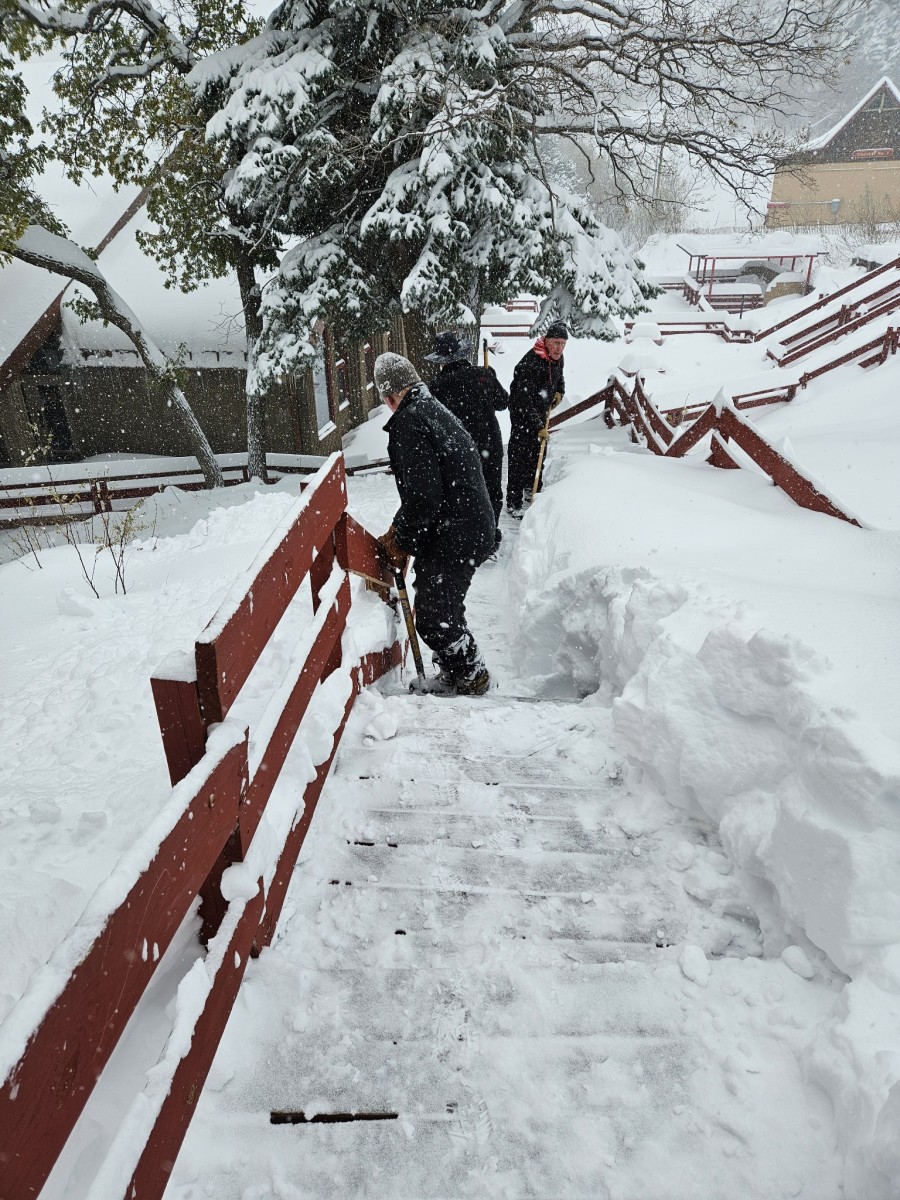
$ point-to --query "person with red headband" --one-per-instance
(537, 379)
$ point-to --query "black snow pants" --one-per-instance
(440, 590)
(524, 447)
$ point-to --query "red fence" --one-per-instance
(860, 285)
(647, 424)
(210, 819)
(96, 488)
(869, 354)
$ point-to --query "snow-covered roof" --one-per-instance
(207, 321)
(823, 139)
(772, 245)
(89, 211)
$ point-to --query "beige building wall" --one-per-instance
(867, 191)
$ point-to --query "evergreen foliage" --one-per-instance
(124, 110)
(399, 147)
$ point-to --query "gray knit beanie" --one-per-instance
(394, 373)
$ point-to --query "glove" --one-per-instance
(557, 399)
(392, 551)
(543, 433)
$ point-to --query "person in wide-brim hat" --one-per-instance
(474, 395)
(449, 347)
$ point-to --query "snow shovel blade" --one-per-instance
(432, 687)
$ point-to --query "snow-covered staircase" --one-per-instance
(479, 990)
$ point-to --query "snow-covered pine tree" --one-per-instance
(391, 145)
(399, 145)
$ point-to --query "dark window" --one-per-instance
(882, 100)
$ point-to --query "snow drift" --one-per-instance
(731, 713)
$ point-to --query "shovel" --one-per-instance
(543, 450)
(400, 581)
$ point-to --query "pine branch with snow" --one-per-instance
(402, 152)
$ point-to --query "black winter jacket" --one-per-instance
(445, 512)
(474, 395)
(534, 383)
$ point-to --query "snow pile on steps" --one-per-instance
(736, 721)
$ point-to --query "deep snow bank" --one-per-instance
(676, 593)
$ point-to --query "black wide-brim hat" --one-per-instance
(449, 347)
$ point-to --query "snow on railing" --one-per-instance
(229, 777)
(723, 422)
(633, 407)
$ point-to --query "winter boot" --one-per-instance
(475, 685)
(437, 685)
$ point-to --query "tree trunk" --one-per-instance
(37, 247)
(255, 396)
(478, 355)
(418, 339)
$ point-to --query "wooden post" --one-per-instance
(183, 729)
(720, 456)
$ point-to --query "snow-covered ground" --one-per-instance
(505, 935)
(720, 668)
(746, 648)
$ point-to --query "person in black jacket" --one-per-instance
(537, 378)
(445, 518)
(474, 395)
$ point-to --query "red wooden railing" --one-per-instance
(97, 488)
(846, 320)
(207, 824)
(782, 472)
(635, 409)
(724, 423)
(869, 354)
(860, 285)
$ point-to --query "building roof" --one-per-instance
(820, 142)
(209, 321)
(28, 295)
